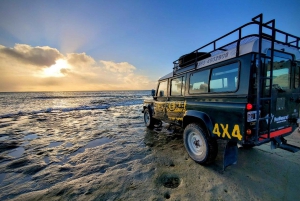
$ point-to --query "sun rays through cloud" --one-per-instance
(42, 68)
(56, 69)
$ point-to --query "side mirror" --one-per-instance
(153, 92)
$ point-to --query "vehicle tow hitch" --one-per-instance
(280, 142)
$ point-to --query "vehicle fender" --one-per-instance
(201, 116)
(149, 107)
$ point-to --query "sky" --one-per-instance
(93, 45)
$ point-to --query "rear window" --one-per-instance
(281, 69)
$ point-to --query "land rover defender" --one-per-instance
(245, 92)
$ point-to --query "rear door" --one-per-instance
(284, 107)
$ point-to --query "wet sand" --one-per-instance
(110, 155)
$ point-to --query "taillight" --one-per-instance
(249, 106)
(248, 131)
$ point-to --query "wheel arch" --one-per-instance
(149, 107)
(201, 118)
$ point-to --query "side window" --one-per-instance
(225, 78)
(199, 82)
(177, 86)
(162, 89)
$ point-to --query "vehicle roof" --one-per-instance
(166, 76)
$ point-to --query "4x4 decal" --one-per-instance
(236, 133)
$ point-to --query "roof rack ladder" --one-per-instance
(260, 96)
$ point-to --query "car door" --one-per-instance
(161, 99)
(175, 106)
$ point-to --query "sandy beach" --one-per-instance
(109, 155)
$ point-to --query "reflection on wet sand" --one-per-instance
(110, 155)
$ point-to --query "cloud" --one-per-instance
(20, 70)
(80, 59)
(37, 56)
(122, 67)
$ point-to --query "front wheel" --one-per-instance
(148, 120)
(200, 147)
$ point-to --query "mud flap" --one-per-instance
(230, 154)
(280, 142)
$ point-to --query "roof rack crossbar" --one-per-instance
(258, 20)
(269, 22)
(258, 16)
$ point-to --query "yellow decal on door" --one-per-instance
(175, 110)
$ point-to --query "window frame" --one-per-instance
(281, 54)
(199, 71)
(182, 86)
(238, 76)
(166, 92)
(210, 69)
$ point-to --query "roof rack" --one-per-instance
(189, 61)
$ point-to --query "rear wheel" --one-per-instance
(200, 147)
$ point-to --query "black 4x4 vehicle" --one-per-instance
(246, 92)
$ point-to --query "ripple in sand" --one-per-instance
(98, 142)
(3, 138)
(69, 144)
(91, 144)
(16, 153)
(54, 144)
(30, 137)
(2, 177)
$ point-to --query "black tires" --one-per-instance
(148, 120)
(200, 147)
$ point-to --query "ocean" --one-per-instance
(24, 103)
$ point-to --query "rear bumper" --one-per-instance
(276, 133)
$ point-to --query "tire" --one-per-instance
(200, 147)
(148, 120)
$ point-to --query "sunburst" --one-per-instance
(55, 69)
